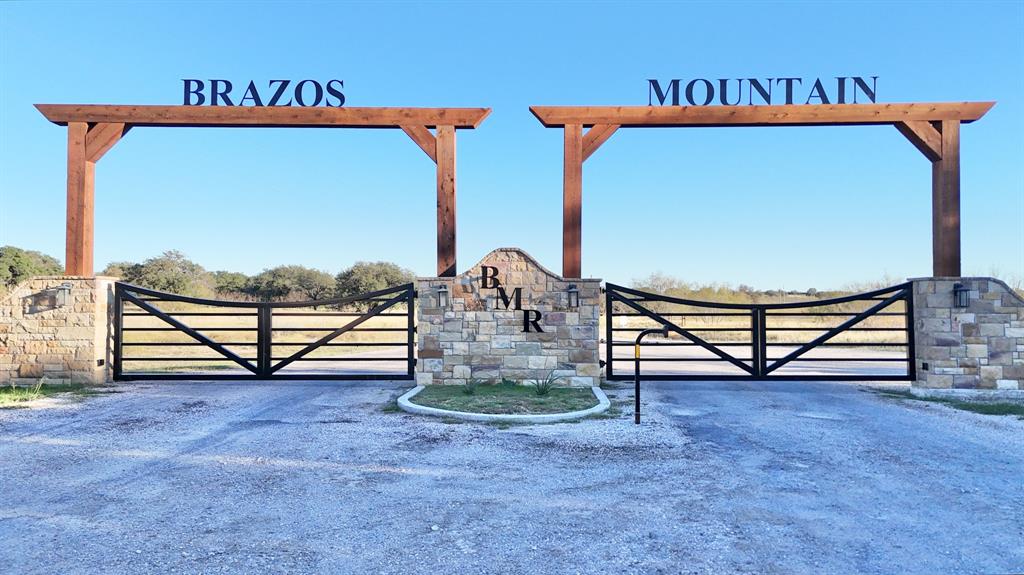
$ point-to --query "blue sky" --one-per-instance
(770, 207)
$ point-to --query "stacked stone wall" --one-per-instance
(40, 339)
(980, 346)
(476, 337)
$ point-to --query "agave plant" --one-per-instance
(543, 386)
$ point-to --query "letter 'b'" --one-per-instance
(196, 90)
(489, 277)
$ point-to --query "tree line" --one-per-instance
(173, 272)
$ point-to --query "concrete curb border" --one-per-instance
(405, 405)
(979, 395)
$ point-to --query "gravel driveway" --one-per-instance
(289, 477)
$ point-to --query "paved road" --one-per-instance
(292, 477)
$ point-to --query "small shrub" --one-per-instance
(543, 386)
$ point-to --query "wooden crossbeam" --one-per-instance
(924, 136)
(786, 115)
(596, 136)
(424, 139)
(264, 116)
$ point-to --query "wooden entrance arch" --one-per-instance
(94, 129)
(933, 128)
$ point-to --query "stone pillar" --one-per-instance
(478, 336)
(69, 343)
(980, 346)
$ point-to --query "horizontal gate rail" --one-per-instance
(263, 357)
(762, 328)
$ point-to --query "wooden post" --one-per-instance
(445, 201)
(572, 195)
(946, 203)
(79, 232)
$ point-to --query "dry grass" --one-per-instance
(510, 399)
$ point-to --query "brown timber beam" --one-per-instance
(934, 128)
(264, 116)
(946, 203)
(85, 147)
(785, 115)
(79, 236)
(445, 201)
(572, 201)
(939, 141)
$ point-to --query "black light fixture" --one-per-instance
(62, 295)
(442, 296)
(961, 295)
(574, 296)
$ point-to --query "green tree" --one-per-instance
(314, 284)
(291, 283)
(229, 283)
(18, 265)
(370, 276)
(126, 271)
(171, 272)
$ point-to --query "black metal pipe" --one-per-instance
(636, 369)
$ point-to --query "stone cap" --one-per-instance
(996, 281)
(521, 254)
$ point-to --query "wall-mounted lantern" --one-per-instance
(442, 296)
(574, 296)
(61, 295)
(961, 295)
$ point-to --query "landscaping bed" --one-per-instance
(18, 395)
(506, 399)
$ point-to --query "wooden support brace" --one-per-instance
(424, 139)
(924, 136)
(102, 137)
(595, 136)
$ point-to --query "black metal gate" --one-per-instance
(160, 335)
(867, 336)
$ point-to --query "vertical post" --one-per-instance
(762, 341)
(411, 333)
(609, 345)
(755, 344)
(445, 201)
(908, 309)
(946, 203)
(572, 194)
(81, 177)
(264, 338)
(118, 328)
(636, 380)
